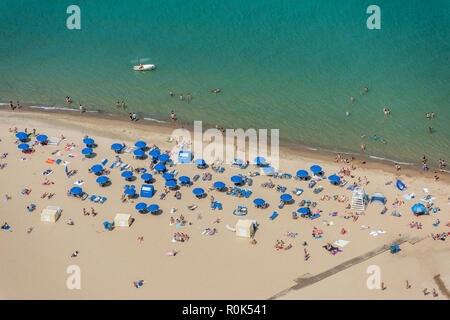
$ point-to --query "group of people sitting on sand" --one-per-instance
(180, 237)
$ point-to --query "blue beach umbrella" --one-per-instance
(316, 169)
(146, 177)
(285, 197)
(154, 153)
(219, 185)
(141, 206)
(21, 135)
(102, 179)
(163, 157)
(419, 208)
(184, 179)
(199, 162)
(171, 183)
(153, 208)
(268, 170)
(87, 151)
(302, 173)
(259, 201)
(116, 146)
(76, 190)
(41, 138)
(260, 161)
(160, 167)
(129, 191)
(88, 141)
(138, 152)
(236, 179)
(96, 168)
(168, 176)
(127, 174)
(23, 146)
(140, 144)
(334, 178)
(198, 191)
(303, 210)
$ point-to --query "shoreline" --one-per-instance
(287, 149)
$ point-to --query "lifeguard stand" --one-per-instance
(359, 199)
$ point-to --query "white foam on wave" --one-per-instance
(386, 159)
(59, 108)
(155, 120)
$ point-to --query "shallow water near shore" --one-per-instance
(287, 65)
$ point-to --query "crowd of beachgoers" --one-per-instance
(318, 197)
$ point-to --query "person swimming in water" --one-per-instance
(171, 93)
(347, 113)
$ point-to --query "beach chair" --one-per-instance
(102, 200)
(315, 216)
(273, 216)
(105, 161)
(196, 177)
(219, 205)
(214, 205)
(92, 197)
(250, 182)
(84, 196)
(294, 215)
(248, 193)
(97, 199)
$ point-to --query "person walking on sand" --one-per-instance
(81, 108)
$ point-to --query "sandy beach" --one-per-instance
(218, 266)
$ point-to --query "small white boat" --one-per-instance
(143, 67)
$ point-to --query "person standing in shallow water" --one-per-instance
(171, 93)
(173, 116)
(189, 97)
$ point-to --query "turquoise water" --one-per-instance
(291, 65)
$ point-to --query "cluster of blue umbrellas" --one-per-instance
(130, 192)
(143, 208)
